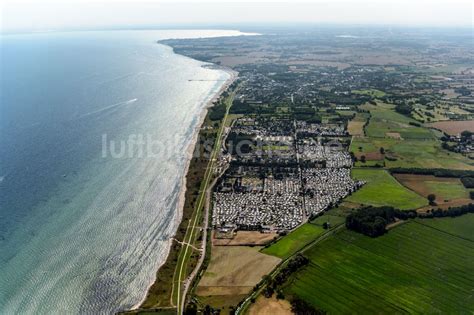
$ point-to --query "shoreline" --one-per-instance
(188, 156)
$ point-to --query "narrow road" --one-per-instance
(189, 237)
(191, 277)
(182, 243)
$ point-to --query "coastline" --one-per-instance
(188, 156)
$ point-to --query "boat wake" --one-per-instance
(108, 108)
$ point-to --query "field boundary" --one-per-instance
(443, 231)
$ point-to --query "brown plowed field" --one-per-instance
(454, 127)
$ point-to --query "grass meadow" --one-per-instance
(459, 226)
(445, 189)
(294, 241)
(334, 220)
(370, 92)
(386, 120)
(412, 153)
(414, 268)
(405, 144)
(448, 190)
(382, 189)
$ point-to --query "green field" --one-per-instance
(450, 190)
(413, 153)
(428, 154)
(460, 226)
(382, 189)
(370, 92)
(334, 220)
(412, 269)
(294, 241)
(366, 145)
(405, 145)
(345, 112)
(385, 120)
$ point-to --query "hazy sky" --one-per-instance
(58, 14)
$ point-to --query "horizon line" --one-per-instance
(227, 26)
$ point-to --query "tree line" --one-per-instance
(372, 221)
(438, 172)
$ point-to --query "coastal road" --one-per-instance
(180, 283)
(189, 281)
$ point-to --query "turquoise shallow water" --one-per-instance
(82, 231)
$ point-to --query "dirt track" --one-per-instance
(246, 238)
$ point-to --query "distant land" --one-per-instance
(340, 177)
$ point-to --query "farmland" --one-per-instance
(236, 269)
(333, 220)
(231, 274)
(459, 226)
(270, 306)
(245, 238)
(450, 190)
(294, 241)
(412, 153)
(444, 188)
(300, 119)
(414, 268)
(385, 122)
(356, 125)
(426, 154)
(454, 127)
(382, 189)
(364, 145)
(442, 111)
(406, 143)
(371, 92)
